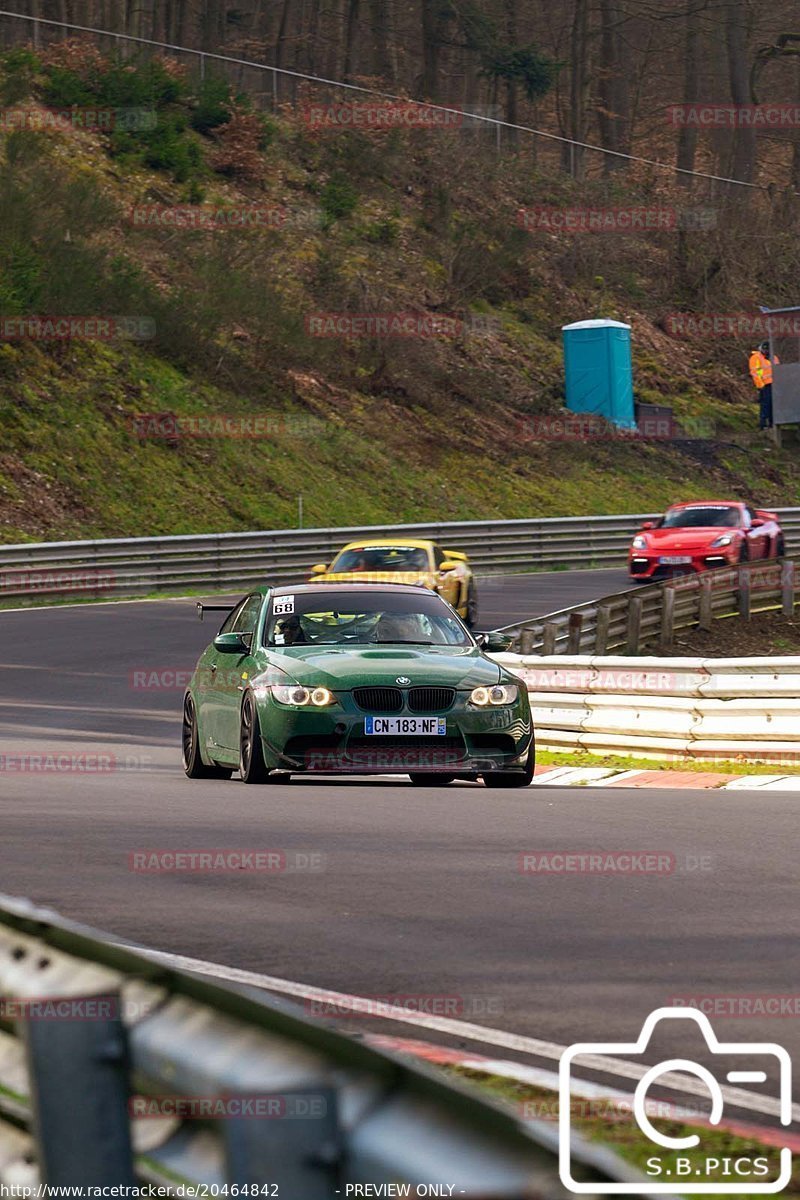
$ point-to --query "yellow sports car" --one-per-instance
(406, 560)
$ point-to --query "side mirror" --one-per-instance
(494, 643)
(649, 525)
(319, 568)
(449, 566)
(231, 643)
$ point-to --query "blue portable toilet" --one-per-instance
(599, 371)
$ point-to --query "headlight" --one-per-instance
(485, 697)
(302, 697)
(640, 542)
(724, 540)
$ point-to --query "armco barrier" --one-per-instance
(138, 566)
(654, 613)
(672, 708)
(115, 1071)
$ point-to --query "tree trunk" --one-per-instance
(351, 29)
(380, 24)
(744, 137)
(573, 157)
(614, 109)
(687, 137)
(512, 36)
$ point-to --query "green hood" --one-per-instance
(351, 667)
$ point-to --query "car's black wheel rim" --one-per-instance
(188, 731)
(247, 736)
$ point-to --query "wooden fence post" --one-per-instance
(706, 616)
(787, 588)
(574, 633)
(668, 616)
(743, 594)
(634, 624)
(601, 633)
(549, 638)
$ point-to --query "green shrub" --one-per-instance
(338, 198)
(18, 69)
(215, 104)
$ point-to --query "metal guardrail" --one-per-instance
(654, 613)
(140, 566)
(113, 1070)
(701, 709)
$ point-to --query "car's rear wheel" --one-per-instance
(252, 766)
(512, 779)
(744, 552)
(193, 764)
(430, 779)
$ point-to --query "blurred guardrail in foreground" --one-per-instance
(707, 709)
(654, 613)
(140, 566)
(116, 1070)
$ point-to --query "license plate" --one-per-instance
(674, 560)
(406, 726)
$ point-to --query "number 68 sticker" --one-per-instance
(282, 605)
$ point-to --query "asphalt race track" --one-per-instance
(420, 891)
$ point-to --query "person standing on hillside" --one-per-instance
(761, 374)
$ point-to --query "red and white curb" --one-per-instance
(552, 776)
(601, 1101)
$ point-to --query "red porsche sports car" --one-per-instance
(701, 535)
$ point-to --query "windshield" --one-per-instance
(382, 558)
(705, 515)
(361, 618)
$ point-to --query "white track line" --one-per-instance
(738, 1097)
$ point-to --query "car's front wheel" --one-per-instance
(252, 766)
(193, 764)
(512, 779)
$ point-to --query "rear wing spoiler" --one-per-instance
(202, 609)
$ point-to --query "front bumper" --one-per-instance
(648, 566)
(333, 741)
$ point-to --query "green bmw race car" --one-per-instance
(355, 679)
